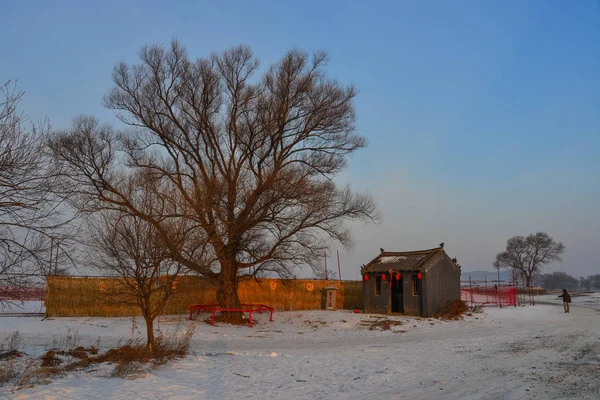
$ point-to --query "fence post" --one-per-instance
(485, 286)
(498, 285)
(471, 290)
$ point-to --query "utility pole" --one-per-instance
(56, 262)
(499, 298)
(326, 276)
(51, 248)
(339, 269)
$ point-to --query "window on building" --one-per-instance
(377, 286)
(416, 286)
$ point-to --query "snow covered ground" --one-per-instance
(18, 307)
(509, 353)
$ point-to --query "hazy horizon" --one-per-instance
(482, 118)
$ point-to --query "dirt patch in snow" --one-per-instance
(385, 325)
(314, 324)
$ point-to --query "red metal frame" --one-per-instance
(213, 308)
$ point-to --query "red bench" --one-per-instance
(246, 308)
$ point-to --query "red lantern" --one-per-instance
(383, 277)
(419, 275)
(366, 277)
(398, 277)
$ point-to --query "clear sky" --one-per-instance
(483, 117)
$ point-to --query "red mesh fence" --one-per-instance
(489, 295)
(20, 293)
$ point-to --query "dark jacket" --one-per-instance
(566, 297)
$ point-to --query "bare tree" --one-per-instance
(253, 160)
(527, 255)
(131, 249)
(29, 208)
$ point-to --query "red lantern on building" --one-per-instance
(366, 277)
(383, 277)
(398, 276)
(419, 275)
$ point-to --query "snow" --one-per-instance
(18, 307)
(509, 353)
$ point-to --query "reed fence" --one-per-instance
(94, 296)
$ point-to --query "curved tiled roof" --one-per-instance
(401, 261)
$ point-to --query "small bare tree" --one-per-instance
(130, 248)
(527, 255)
(30, 209)
(252, 160)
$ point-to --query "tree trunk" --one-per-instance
(227, 292)
(150, 333)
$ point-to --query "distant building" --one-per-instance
(413, 283)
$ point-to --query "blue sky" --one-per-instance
(483, 117)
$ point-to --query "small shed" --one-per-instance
(420, 282)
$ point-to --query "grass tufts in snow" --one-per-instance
(135, 356)
(9, 351)
(10, 345)
(128, 359)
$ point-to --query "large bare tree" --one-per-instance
(527, 255)
(30, 212)
(252, 159)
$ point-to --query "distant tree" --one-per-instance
(29, 208)
(590, 283)
(253, 160)
(584, 284)
(537, 279)
(559, 280)
(527, 255)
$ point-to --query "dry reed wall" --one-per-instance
(91, 297)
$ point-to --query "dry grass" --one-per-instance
(128, 359)
(7, 373)
(454, 311)
(135, 356)
(11, 343)
(9, 352)
(71, 297)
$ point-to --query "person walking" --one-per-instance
(566, 300)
